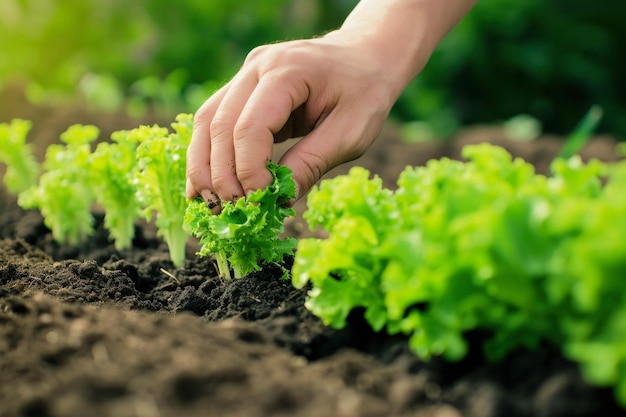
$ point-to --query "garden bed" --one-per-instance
(92, 331)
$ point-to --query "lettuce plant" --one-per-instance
(130, 174)
(142, 171)
(22, 167)
(246, 233)
(113, 166)
(160, 182)
(486, 244)
(64, 195)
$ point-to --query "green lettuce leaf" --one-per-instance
(246, 233)
(485, 245)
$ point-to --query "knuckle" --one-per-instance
(285, 55)
(201, 113)
(256, 53)
(201, 120)
(246, 175)
(193, 172)
(221, 182)
(244, 129)
(219, 127)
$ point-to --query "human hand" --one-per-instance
(333, 92)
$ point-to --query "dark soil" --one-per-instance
(91, 331)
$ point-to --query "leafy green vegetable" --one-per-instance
(113, 166)
(22, 167)
(246, 232)
(64, 194)
(141, 172)
(485, 244)
(160, 181)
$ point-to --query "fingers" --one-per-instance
(234, 132)
(222, 128)
(282, 93)
(199, 152)
(266, 113)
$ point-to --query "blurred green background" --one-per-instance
(551, 60)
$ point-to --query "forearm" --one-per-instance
(403, 33)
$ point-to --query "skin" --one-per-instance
(334, 93)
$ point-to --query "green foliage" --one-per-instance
(64, 194)
(112, 168)
(160, 182)
(22, 167)
(142, 171)
(552, 60)
(149, 50)
(246, 233)
(485, 244)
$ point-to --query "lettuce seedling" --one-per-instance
(22, 167)
(160, 182)
(246, 233)
(113, 166)
(64, 193)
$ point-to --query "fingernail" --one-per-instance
(212, 201)
(211, 204)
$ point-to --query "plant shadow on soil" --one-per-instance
(92, 331)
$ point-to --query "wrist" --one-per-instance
(401, 34)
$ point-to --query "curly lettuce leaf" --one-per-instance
(485, 244)
(344, 269)
(64, 194)
(113, 166)
(160, 181)
(246, 232)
